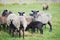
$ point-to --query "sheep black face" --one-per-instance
(31, 14)
(5, 12)
(21, 13)
(34, 13)
(9, 13)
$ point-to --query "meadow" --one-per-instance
(54, 10)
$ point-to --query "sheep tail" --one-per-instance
(11, 21)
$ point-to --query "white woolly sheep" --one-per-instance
(43, 17)
(17, 21)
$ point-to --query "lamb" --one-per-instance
(36, 24)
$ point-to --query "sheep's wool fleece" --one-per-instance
(43, 17)
(9, 18)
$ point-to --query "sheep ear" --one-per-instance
(37, 11)
(18, 12)
(23, 12)
(31, 10)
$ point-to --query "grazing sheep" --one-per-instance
(36, 24)
(3, 19)
(45, 6)
(43, 17)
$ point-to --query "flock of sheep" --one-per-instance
(16, 23)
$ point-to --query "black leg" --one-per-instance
(40, 26)
(9, 30)
(23, 32)
(41, 31)
(45, 25)
(50, 26)
(4, 27)
(33, 29)
(0, 27)
(37, 30)
(12, 33)
(7, 27)
(19, 34)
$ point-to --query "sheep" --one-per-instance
(3, 19)
(36, 24)
(45, 6)
(43, 17)
(23, 19)
(12, 20)
(39, 20)
(5, 12)
(17, 22)
(28, 18)
(30, 22)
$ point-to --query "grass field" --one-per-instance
(54, 9)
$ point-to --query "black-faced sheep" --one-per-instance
(39, 21)
(43, 17)
(3, 19)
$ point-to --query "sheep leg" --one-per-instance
(0, 27)
(4, 26)
(33, 29)
(9, 30)
(18, 31)
(37, 30)
(40, 28)
(43, 8)
(23, 32)
(50, 26)
(12, 32)
(45, 25)
(7, 27)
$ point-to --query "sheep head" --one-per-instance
(21, 13)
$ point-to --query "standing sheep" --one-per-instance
(13, 20)
(39, 20)
(3, 19)
(45, 6)
(17, 21)
(44, 18)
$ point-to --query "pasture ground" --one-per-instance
(54, 9)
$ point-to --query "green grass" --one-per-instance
(54, 9)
